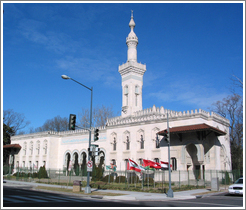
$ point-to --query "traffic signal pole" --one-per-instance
(87, 188)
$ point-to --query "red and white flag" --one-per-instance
(131, 165)
(151, 164)
(164, 165)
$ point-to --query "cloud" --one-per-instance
(35, 31)
(188, 92)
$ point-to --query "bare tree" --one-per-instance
(232, 109)
(55, 124)
(99, 116)
(14, 120)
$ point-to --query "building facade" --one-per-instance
(199, 139)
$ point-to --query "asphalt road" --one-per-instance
(26, 197)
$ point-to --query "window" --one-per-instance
(136, 94)
(24, 148)
(31, 148)
(45, 147)
(156, 160)
(38, 147)
(157, 142)
(141, 142)
(114, 162)
(141, 161)
(126, 90)
(114, 144)
(127, 143)
(126, 162)
(174, 163)
(126, 95)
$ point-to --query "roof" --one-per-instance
(11, 146)
(194, 128)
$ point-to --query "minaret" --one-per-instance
(132, 76)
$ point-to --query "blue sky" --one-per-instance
(191, 50)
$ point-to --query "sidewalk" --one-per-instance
(128, 195)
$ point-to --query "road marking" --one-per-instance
(12, 200)
(27, 198)
(65, 199)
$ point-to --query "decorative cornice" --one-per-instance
(156, 114)
(55, 133)
(132, 67)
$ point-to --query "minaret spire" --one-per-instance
(132, 75)
(132, 42)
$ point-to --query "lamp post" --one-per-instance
(87, 188)
(170, 191)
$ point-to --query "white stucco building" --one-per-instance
(199, 139)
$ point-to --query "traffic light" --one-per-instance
(166, 135)
(96, 134)
(72, 122)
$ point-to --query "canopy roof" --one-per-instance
(193, 128)
(11, 146)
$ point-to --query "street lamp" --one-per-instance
(87, 188)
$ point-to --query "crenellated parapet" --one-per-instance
(55, 133)
(160, 114)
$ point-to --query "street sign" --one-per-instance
(89, 166)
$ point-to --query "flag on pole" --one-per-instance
(131, 165)
(164, 165)
(111, 167)
(151, 164)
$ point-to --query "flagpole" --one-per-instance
(170, 191)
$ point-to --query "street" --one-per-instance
(26, 197)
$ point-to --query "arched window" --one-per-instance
(156, 160)
(174, 163)
(157, 141)
(45, 147)
(38, 147)
(141, 142)
(24, 148)
(127, 143)
(114, 144)
(31, 148)
(126, 95)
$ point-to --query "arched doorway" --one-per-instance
(67, 161)
(76, 163)
(84, 163)
(192, 160)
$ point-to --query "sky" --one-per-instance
(191, 52)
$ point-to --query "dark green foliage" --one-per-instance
(226, 179)
(149, 180)
(42, 173)
(108, 178)
(120, 179)
(97, 173)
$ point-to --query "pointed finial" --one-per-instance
(132, 14)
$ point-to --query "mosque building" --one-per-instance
(198, 139)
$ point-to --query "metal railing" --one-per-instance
(126, 179)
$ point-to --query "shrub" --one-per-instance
(120, 179)
(97, 174)
(42, 173)
(108, 178)
(148, 180)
